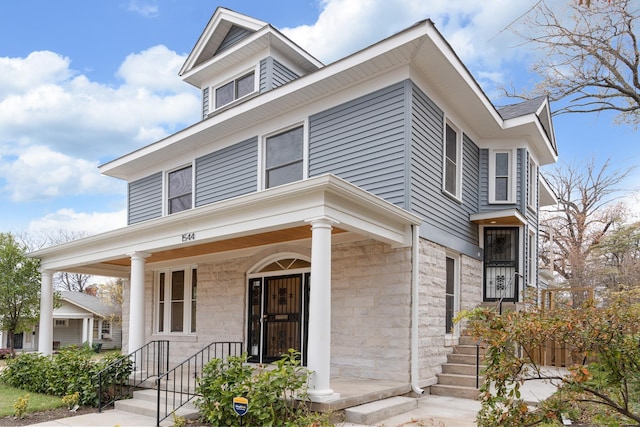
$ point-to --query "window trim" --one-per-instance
(512, 168)
(533, 257)
(458, 174)
(532, 184)
(64, 323)
(456, 292)
(166, 204)
(262, 152)
(186, 301)
(213, 93)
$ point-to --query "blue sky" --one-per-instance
(83, 82)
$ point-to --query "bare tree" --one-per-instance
(590, 56)
(69, 281)
(619, 257)
(587, 211)
(112, 294)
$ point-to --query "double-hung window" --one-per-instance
(284, 155)
(451, 293)
(502, 176)
(452, 161)
(175, 301)
(235, 89)
(179, 186)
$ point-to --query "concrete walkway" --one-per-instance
(432, 411)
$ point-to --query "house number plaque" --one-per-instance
(187, 237)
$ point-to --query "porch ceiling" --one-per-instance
(502, 217)
(261, 218)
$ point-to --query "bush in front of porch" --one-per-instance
(276, 394)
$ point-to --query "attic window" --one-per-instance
(235, 89)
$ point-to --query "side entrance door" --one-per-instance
(278, 309)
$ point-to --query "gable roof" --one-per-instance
(230, 37)
(90, 303)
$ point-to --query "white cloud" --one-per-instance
(77, 222)
(144, 9)
(39, 173)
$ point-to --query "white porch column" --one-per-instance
(136, 301)
(45, 330)
(319, 348)
(90, 330)
(85, 326)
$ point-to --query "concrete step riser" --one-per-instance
(467, 340)
(463, 359)
(146, 408)
(152, 396)
(469, 349)
(459, 380)
(453, 391)
(372, 413)
(453, 368)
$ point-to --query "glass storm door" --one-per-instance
(278, 309)
(500, 264)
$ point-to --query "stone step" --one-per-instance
(469, 349)
(460, 369)
(455, 391)
(463, 359)
(144, 402)
(372, 413)
(467, 340)
(460, 380)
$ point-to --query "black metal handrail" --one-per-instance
(129, 371)
(178, 385)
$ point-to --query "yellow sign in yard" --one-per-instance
(240, 405)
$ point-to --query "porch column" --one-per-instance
(45, 330)
(85, 326)
(136, 301)
(319, 347)
(90, 330)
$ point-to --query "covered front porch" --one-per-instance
(302, 220)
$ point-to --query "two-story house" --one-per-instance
(347, 211)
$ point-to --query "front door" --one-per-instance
(501, 264)
(277, 316)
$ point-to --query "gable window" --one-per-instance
(284, 154)
(502, 176)
(179, 189)
(452, 160)
(235, 89)
(532, 184)
(61, 323)
(175, 301)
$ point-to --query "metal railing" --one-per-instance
(122, 376)
(178, 385)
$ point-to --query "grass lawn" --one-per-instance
(37, 402)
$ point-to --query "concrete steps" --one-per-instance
(144, 402)
(372, 413)
(458, 377)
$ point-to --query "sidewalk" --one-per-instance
(432, 411)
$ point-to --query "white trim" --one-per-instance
(61, 323)
(457, 264)
(511, 179)
(165, 191)
(458, 161)
(532, 183)
(233, 79)
(262, 151)
(254, 271)
(186, 301)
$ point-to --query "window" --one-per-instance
(452, 161)
(532, 267)
(105, 329)
(532, 184)
(502, 173)
(451, 294)
(179, 190)
(60, 323)
(175, 301)
(284, 157)
(235, 89)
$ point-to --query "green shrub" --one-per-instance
(68, 372)
(270, 391)
(21, 405)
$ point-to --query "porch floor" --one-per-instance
(358, 391)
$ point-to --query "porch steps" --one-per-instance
(374, 412)
(458, 377)
(144, 402)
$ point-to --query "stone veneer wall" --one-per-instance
(432, 343)
(371, 311)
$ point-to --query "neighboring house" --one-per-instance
(347, 211)
(81, 318)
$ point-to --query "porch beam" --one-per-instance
(45, 330)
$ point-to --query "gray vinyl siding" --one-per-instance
(274, 74)
(69, 335)
(363, 142)
(446, 219)
(145, 199)
(234, 35)
(230, 172)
